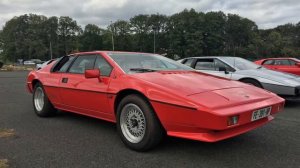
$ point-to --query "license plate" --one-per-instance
(261, 113)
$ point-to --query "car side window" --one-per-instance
(293, 63)
(82, 63)
(104, 67)
(268, 62)
(282, 62)
(205, 64)
(188, 62)
(65, 66)
(219, 64)
(62, 64)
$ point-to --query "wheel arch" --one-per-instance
(34, 82)
(253, 79)
(123, 93)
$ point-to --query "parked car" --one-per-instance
(148, 96)
(29, 62)
(1, 64)
(33, 62)
(288, 65)
(283, 84)
(37, 61)
(43, 64)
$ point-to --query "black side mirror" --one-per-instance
(224, 70)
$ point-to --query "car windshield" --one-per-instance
(240, 63)
(140, 62)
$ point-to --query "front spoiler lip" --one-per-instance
(280, 89)
(214, 136)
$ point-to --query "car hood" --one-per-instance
(188, 82)
(279, 77)
(231, 97)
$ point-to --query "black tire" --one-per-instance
(154, 131)
(252, 82)
(47, 109)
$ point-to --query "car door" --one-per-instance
(291, 67)
(269, 64)
(284, 65)
(212, 66)
(52, 84)
(88, 96)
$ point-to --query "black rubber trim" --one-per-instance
(81, 90)
(187, 107)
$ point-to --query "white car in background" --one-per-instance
(236, 68)
(29, 62)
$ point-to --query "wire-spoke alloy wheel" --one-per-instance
(137, 123)
(133, 123)
(42, 105)
(39, 99)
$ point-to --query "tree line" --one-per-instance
(184, 34)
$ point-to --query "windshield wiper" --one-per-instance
(142, 70)
(259, 67)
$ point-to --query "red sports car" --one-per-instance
(148, 96)
(289, 65)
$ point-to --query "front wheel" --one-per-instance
(41, 103)
(137, 124)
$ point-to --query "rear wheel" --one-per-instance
(137, 124)
(42, 105)
(252, 82)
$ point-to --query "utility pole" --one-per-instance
(112, 37)
(154, 29)
(51, 56)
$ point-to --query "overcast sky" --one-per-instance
(266, 13)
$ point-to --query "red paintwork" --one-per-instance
(295, 69)
(189, 104)
(92, 73)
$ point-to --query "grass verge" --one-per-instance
(7, 133)
(3, 163)
(17, 68)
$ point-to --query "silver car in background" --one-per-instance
(42, 65)
(236, 68)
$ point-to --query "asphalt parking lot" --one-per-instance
(70, 140)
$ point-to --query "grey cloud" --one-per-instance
(266, 13)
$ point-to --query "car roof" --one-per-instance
(107, 52)
(212, 57)
(281, 58)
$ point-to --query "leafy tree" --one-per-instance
(91, 39)
(121, 30)
(214, 33)
(239, 33)
(140, 26)
(185, 33)
(51, 29)
(68, 32)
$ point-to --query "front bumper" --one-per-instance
(214, 136)
(284, 91)
(211, 125)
